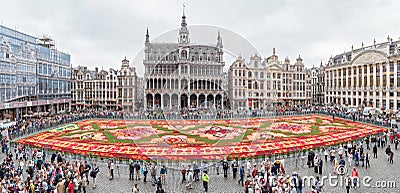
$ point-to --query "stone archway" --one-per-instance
(218, 101)
(174, 101)
(184, 101)
(149, 101)
(193, 101)
(210, 100)
(166, 101)
(157, 101)
(202, 99)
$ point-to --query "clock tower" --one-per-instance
(184, 32)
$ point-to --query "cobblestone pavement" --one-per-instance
(381, 171)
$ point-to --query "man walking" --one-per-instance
(375, 151)
(205, 179)
(144, 169)
(225, 166)
(112, 169)
(190, 179)
(234, 169)
(137, 170)
(367, 160)
(241, 175)
(320, 163)
(153, 172)
(94, 172)
(183, 171)
(131, 170)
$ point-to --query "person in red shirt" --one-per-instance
(354, 175)
(70, 187)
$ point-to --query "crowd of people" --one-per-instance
(30, 170)
(27, 170)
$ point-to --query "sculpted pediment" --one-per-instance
(370, 58)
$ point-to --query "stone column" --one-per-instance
(145, 101)
(170, 102)
(162, 101)
(197, 101)
(214, 100)
(153, 100)
(222, 102)
(188, 102)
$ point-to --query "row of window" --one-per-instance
(48, 86)
(8, 93)
(53, 56)
(377, 93)
(357, 102)
(95, 95)
(26, 78)
(361, 69)
(12, 34)
(361, 82)
(26, 67)
(50, 70)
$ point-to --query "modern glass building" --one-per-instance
(34, 75)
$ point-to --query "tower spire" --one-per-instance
(183, 23)
(183, 15)
(183, 32)
(147, 36)
(219, 40)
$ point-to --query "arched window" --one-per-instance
(249, 74)
(183, 54)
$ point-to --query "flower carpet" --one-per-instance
(199, 139)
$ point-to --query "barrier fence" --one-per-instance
(295, 157)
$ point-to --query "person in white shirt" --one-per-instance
(190, 179)
(248, 168)
(112, 169)
(341, 149)
(350, 158)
